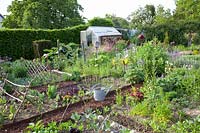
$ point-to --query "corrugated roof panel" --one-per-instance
(103, 31)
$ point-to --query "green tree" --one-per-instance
(162, 15)
(47, 14)
(100, 22)
(187, 10)
(118, 21)
(143, 16)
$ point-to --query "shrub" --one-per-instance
(134, 75)
(100, 22)
(120, 45)
(176, 31)
(19, 70)
(151, 58)
(17, 43)
(187, 126)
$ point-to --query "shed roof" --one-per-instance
(103, 31)
(1, 15)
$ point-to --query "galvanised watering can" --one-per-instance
(100, 92)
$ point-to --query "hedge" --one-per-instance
(17, 43)
(176, 31)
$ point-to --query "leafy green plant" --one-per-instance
(12, 111)
(8, 88)
(187, 126)
(3, 111)
(141, 109)
(151, 58)
(134, 75)
(1, 119)
(119, 98)
(76, 117)
(161, 116)
(18, 69)
(120, 45)
(38, 127)
(52, 91)
(101, 59)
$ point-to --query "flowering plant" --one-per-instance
(137, 94)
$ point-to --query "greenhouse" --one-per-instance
(106, 36)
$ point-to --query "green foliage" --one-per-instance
(155, 106)
(166, 40)
(173, 82)
(162, 15)
(161, 115)
(151, 58)
(187, 10)
(39, 46)
(190, 61)
(118, 21)
(76, 76)
(62, 56)
(52, 91)
(12, 111)
(120, 45)
(182, 82)
(141, 109)
(17, 43)
(176, 31)
(119, 98)
(88, 121)
(38, 127)
(1, 119)
(100, 60)
(187, 126)
(51, 14)
(2, 113)
(134, 75)
(8, 88)
(142, 16)
(19, 70)
(100, 22)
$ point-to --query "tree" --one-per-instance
(118, 21)
(162, 15)
(142, 16)
(100, 22)
(187, 10)
(47, 14)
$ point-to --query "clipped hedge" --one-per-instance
(17, 43)
(176, 31)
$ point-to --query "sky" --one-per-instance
(98, 8)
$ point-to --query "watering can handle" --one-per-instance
(96, 85)
(106, 92)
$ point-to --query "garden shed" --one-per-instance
(105, 36)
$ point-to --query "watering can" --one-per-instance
(100, 92)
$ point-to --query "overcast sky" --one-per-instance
(98, 8)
